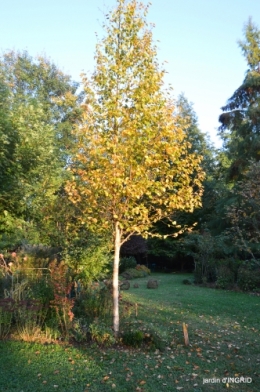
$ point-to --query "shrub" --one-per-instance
(88, 261)
(205, 271)
(95, 301)
(206, 251)
(186, 281)
(41, 288)
(225, 277)
(133, 273)
(79, 330)
(101, 333)
(137, 335)
(133, 338)
(154, 341)
(127, 263)
(143, 268)
(248, 278)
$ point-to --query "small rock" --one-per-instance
(152, 284)
(125, 285)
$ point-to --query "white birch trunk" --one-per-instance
(115, 280)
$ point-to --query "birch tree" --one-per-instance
(132, 167)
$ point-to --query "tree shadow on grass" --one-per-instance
(35, 367)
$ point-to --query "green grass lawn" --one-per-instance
(224, 343)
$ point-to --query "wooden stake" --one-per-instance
(185, 333)
(136, 310)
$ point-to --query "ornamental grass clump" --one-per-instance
(29, 319)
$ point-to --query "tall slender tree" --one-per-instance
(132, 166)
(240, 120)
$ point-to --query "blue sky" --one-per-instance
(198, 39)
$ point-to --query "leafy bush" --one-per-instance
(101, 333)
(140, 271)
(95, 301)
(133, 273)
(206, 250)
(138, 335)
(88, 262)
(225, 277)
(127, 263)
(141, 267)
(41, 288)
(248, 278)
(133, 338)
(204, 257)
(186, 281)
(79, 330)
(154, 341)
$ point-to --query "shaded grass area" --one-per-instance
(224, 343)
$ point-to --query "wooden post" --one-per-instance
(136, 310)
(185, 333)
